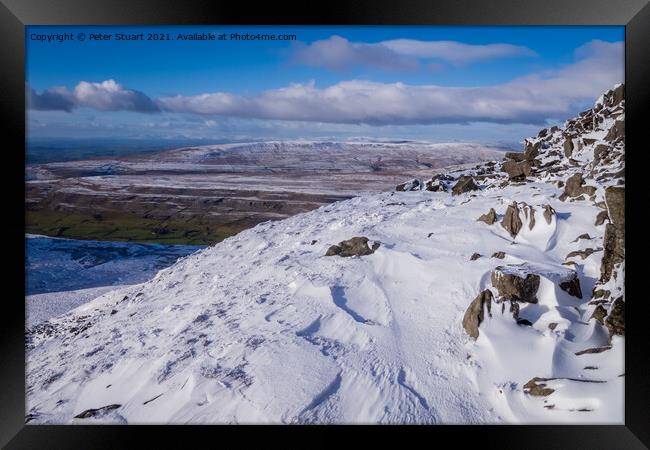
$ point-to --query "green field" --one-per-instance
(130, 227)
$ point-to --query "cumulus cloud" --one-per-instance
(105, 96)
(530, 99)
(338, 53)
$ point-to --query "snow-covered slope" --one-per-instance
(263, 327)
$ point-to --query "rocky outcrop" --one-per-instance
(412, 185)
(614, 239)
(568, 146)
(616, 132)
(512, 283)
(517, 170)
(97, 412)
(516, 156)
(571, 285)
(357, 246)
(511, 221)
(574, 187)
(549, 212)
(464, 184)
(475, 256)
(538, 388)
(615, 321)
(601, 217)
(599, 314)
(615, 201)
(475, 313)
(490, 217)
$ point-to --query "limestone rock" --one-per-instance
(615, 321)
(514, 285)
(475, 313)
(464, 184)
(511, 220)
(357, 246)
(490, 217)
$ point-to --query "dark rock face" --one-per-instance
(357, 246)
(514, 287)
(474, 314)
(601, 218)
(615, 200)
(517, 170)
(615, 321)
(490, 217)
(614, 239)
(537, 388)
(475, 256)
(616, 132)
(96, 412)
(574, 187)
(571, 285)
(499, 255)
(465, 184)
(511, 220)
(582, 236)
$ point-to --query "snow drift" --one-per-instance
(264, 327)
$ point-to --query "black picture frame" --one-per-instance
(16, 14)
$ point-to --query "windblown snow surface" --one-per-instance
(263, 327)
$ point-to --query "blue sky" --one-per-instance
(480, 84)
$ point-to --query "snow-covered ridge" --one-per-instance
(263, 327)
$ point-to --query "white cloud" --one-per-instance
(530, 99)
(105, 96)
(338, 53)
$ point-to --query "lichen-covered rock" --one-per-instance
(357, 246)
(475, 313)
